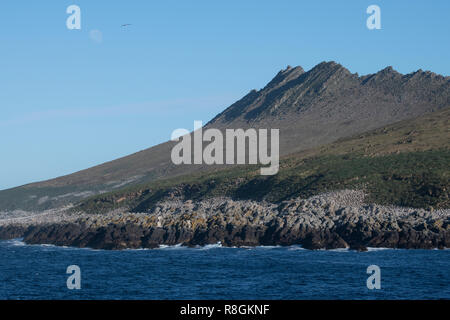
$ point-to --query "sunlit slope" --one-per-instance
(311, 108)
(405, 164)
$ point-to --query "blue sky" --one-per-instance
(70, 101)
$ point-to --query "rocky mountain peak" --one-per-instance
(329, 67)
(284, 76)
(329, 88)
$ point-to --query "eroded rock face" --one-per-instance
(328, 221)
(12, 231)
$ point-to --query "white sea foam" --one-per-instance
(20, 243)
(338, 250)
(296, 248)
(378, 249)
(268, 247)
(17, 242)
(211, 246)
(171, 247)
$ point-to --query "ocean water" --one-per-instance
(214, 272)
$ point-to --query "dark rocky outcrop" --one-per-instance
(12, 231)
(329, 221)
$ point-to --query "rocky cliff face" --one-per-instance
(328, 221)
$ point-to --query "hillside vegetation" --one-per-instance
(311, 108)
(404, 164)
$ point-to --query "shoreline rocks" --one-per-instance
(328, 221)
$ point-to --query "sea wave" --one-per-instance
(171, 247)
(18, 242)
(338, 250)
(378, 249)
(210, 246)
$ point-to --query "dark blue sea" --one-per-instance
(214, 272)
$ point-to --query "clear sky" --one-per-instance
(71, 99)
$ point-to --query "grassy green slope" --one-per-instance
(404, 164)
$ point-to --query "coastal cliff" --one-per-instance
(364, 163)
(327, 221)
